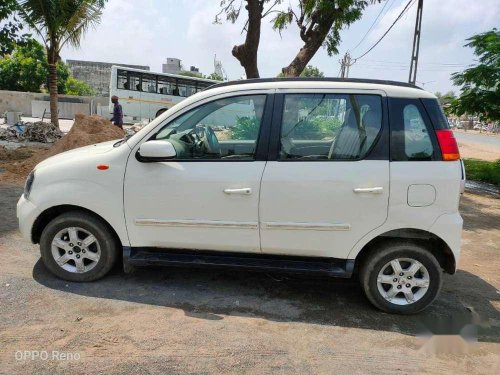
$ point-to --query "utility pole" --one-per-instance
(345, 64)
(416, 43)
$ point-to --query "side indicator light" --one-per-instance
(102, 167)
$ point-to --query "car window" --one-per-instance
(329, 126)
(222, 129)
(418, 144)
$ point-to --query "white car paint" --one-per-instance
(297, 208)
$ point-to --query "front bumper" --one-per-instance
(27, 213)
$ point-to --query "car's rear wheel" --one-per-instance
(401, 277)
(78, 246)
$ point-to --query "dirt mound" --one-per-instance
(86, 130)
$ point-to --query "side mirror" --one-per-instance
(156, 151)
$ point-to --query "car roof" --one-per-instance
(391, 88)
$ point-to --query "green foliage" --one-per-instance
(25, 70)
(480, 88)
(316, 128)
(10, 27)
(76, 87)
(482, 170)
(61, 21)
(446, 100)
(316, 14)
(191, 74)
(215, 77)
(246, 128)
(310, 71)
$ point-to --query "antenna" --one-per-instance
(219, 69)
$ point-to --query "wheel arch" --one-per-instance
(52, 212)
(161, 111)
(433, 243)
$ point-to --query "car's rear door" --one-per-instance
(326, 183)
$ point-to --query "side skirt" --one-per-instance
(151, 256)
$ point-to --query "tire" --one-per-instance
(97, 257)
(160, 112)
(393, 294)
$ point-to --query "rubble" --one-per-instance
(39, 131)
(86, 130)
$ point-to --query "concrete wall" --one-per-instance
(32, 104)
(96, 74)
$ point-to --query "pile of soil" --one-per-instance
(86, 130)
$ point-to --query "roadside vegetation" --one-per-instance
(482, 170)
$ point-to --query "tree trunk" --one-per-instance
(307, 52)
(246, 53)
(52, 59)
(313, 36)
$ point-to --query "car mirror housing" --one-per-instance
(156, 151)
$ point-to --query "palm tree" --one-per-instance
(58, 22)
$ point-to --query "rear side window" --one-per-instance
(329, 126)
(412, 137)
(436, 114)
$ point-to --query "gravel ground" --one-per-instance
(202, 321)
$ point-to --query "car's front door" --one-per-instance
(328, 184)
(206, 198)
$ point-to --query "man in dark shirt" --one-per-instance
(117, 112)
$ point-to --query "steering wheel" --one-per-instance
(210, 140)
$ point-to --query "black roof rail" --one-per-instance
(316, 79)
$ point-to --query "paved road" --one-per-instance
(478, 138)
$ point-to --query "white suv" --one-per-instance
(333, 177)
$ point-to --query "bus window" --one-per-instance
(186, 88)
(134, 80)
(166, 85)
(202, 86)
(149, 83)
(122, 80)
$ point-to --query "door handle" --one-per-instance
(243, 191)
(371, 190)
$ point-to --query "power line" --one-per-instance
(371, 27)
(408, 5)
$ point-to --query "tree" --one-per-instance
(319, 23)
(59, 22)
(480, 88)
(76, 87)
(191, 74)
(215, 77)
(309, 71)
(246, 53)
(27, 70)
(445, 100)
(11, 29)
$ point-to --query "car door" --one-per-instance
(206, 198)
(326, 184)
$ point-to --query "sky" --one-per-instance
(146, 32)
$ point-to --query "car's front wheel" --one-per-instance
(78, 246)
(401, 277)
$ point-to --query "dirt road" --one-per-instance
(201, 321)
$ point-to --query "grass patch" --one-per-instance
(482, 170)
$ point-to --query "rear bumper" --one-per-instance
(449, 228)
(27, 213)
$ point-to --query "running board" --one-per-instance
(142, 256)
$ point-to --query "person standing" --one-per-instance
(117, 118)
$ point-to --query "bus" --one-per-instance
(146, 95)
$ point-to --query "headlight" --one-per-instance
(29, 184)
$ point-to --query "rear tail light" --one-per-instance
(448, 144)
